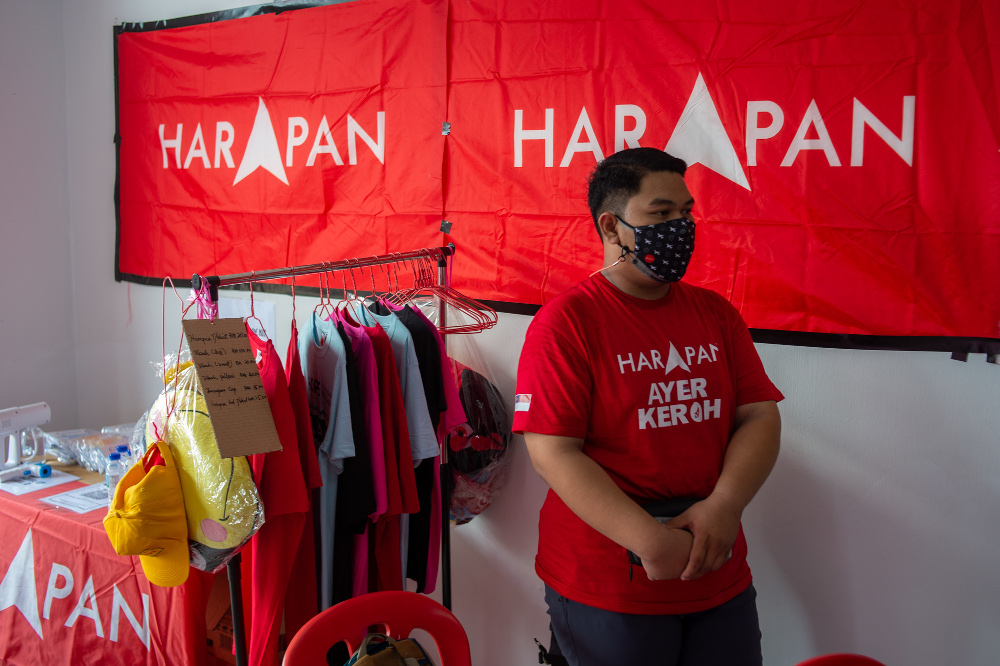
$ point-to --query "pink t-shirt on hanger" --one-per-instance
(365, 356)
(453, 417)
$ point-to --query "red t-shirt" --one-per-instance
(279, 473)
(283, 493)
(301, 600)
(652, 388)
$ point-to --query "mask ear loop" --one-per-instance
(621, 258)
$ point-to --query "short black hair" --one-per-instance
(618, 178)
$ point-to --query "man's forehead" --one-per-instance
(663, 188)
(659, 201)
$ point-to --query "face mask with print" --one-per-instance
(662, 250)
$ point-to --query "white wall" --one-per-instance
(877, 530)
(876, 533)
(36, 304)
(112, 355)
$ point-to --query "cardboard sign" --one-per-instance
(230, 382)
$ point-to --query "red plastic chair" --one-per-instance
(841, 659)
(399, 612)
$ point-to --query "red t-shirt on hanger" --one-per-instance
(282, 490)
(301, 600)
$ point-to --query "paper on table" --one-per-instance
(230, 381)
(30, 484)
(81, 500)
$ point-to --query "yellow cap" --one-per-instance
(147, 519)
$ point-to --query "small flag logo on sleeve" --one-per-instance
(522, 402)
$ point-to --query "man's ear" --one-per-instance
(608, 224)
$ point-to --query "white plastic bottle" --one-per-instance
(126, 457)
(113, 475)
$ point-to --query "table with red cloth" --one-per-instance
(67, 597)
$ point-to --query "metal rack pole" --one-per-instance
(439, 253)
(233, 569)
(445, 468)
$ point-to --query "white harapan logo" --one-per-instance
(674, 360)
(700, 138)
(262, 148)
(17, 588)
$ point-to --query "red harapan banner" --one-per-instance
(281, 139)
(845, 159)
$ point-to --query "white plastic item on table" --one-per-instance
(113, 474)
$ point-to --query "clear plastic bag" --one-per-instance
(85, 447)
(476, 450)
(220, 497)
(137, 438)
(88, 448)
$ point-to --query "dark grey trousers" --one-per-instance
(727, 635)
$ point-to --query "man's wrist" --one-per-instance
(727, 502)
(667, 542)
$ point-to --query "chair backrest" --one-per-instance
(399, 612)
(841, 659)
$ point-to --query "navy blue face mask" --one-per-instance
(662, 250)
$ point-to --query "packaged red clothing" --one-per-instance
(283, 492)
(651, 387)
(477, 452)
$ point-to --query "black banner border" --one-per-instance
(221, 15)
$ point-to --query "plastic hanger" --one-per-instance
(253, 315)
(348, 303)
(482, 316)
(295, 325)
(376, 304)
(258, 357)
(420, 281)
(325, 307)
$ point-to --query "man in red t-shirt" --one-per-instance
(633, 388)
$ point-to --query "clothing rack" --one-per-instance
(440, 254)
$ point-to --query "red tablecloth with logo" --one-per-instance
(66, 597)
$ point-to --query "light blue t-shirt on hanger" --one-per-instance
(324, 365)
(423, 440)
